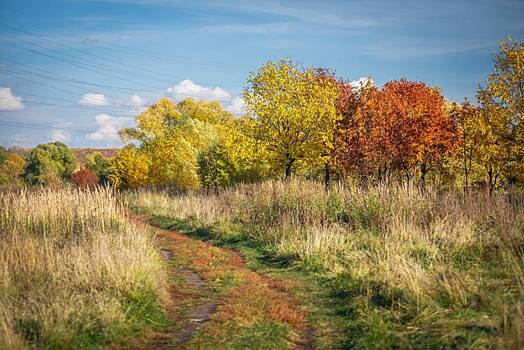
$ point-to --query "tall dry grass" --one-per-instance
(418, 267)
(73, 272)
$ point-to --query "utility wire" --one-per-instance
(40, 126)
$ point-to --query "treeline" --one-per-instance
(308, 122)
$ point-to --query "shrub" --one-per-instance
(85, 179)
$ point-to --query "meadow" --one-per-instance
(74, 273)
(410, 267)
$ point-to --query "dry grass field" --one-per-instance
(74, 273)
(409, 267)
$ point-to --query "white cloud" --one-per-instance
(93, 100)
(108, 128)
(236, 106)
(9, 102)
(136, 101)
(361, 82)
(187, 88)
(60, 135)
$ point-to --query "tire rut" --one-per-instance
(202, 312)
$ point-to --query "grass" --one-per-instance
(74, 273)
(406, 267)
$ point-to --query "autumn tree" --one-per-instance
(403, 127)
(85, 179)
(173, 135)
(502, 102)
(129, 168)
(11, 168)
(53, 160)
(348, 155)
(293, 114)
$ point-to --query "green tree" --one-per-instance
(294, 114)
(100, 165)
(53, 160)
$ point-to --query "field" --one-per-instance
(404, 267)
(74, 273)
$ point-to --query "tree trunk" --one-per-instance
(466, 171)
(327, 175)
(289, 168)
(490, 179)
(423, 172)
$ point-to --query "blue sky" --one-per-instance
(77, 71)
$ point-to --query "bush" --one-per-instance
(85, 179)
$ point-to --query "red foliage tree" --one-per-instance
(400, 128)
(85, 179)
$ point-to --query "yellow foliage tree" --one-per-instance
(172, 136)
(294, 114)
(129, 168)
(502, 101)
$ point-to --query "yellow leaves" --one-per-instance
(294, 112)
(129, 168)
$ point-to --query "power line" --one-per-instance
(96, 56)
(54, 77)
(41, 126)
(129, 73)
(73, 62)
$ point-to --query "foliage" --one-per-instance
(502, 102)
(49, 161)
(293, 114)
(85, 179)
(402, 127)
(11, 168)
(100, 165)
(215, 168)
(129, 168)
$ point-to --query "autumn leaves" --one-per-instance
(309, 122)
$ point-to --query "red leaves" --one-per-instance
(85, 179)
(397, 128)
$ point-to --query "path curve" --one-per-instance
(203, 272)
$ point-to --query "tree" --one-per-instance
(11, 168)
(294, 113)
(348, 154)
(171, 137)
(52, 160)
(502, 103)
(100, 165)
(215, 169)
(129, 168)
(467, 118)
(85, 179)
(401, 128)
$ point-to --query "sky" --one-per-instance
(77, 71)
